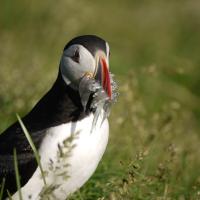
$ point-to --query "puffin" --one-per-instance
(68, 126)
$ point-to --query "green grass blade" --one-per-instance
(36, 154)
(79, 195)
(17, 174)
(2, 188)
(9, 195)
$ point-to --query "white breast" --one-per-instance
(79, 164)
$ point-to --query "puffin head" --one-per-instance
(86, 55)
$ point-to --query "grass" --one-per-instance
(17, 175)
(2, 188)
(153, 151)
(152, 154)
(36, 154)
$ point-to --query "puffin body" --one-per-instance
(78, 165)
(68, 126)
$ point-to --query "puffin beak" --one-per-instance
(103, 76)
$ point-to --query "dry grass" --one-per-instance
(152, 154)
(154, 144)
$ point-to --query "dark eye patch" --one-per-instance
(76, 56)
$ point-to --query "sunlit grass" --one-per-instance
(153, 151)
(154, 144)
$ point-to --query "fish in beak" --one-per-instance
(88, 84)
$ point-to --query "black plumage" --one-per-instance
(88, 42)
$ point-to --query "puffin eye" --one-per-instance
(76, 56)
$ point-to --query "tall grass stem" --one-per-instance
(36, 154)
(2, 188)
(17, 176)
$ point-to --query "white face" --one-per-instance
(77, 61)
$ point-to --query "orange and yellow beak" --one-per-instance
(103, 76)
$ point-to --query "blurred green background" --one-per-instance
(155, 49)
